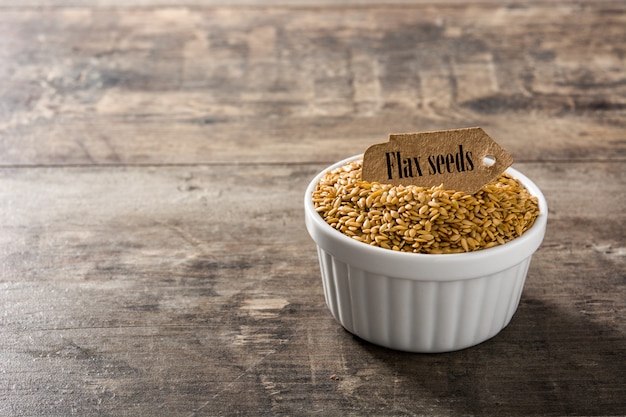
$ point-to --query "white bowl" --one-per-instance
(422, 302)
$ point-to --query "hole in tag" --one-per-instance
(461, 159)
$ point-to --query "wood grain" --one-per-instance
(196, 85)
(163, 291)
(153, 161)
(255, 3)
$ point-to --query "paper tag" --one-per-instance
(461, 159)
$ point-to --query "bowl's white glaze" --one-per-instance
(422, 302)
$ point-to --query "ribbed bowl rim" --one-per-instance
(420, 266)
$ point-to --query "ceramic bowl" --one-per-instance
(422, 302)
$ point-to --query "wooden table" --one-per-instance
(153, 160)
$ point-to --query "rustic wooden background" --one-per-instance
(153, 160)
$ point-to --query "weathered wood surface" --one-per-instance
(194, 85)
(257, 3)
(160, 291)
(153, 255)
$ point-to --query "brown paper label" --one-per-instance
(461, 159)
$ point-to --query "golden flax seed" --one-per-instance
(424, 220)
